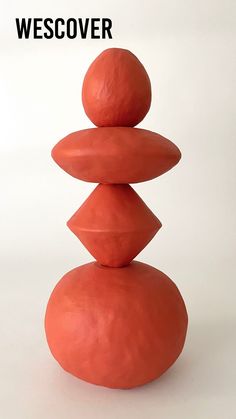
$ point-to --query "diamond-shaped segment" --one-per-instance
(114, 224)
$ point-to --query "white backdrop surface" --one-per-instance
(188, 50)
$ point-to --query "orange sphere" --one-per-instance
(116, 89)
(116, 327)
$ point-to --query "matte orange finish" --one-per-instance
(116, 327)
(116, 89)
(115, 322)
(114, 224)
(115, 155)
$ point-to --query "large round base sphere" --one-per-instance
(116, 327)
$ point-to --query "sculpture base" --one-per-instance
(116, 327)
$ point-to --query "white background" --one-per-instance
(188, 48)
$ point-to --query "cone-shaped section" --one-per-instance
(114, 224)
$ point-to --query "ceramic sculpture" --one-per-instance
(115, 322)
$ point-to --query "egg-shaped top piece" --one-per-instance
(116, 89)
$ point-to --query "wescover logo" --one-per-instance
(39, 28)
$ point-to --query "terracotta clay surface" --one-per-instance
(114, 224)
(115, 322)
(116, 89)
(116, 327)
(115, 155)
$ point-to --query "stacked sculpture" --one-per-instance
(115, 322)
